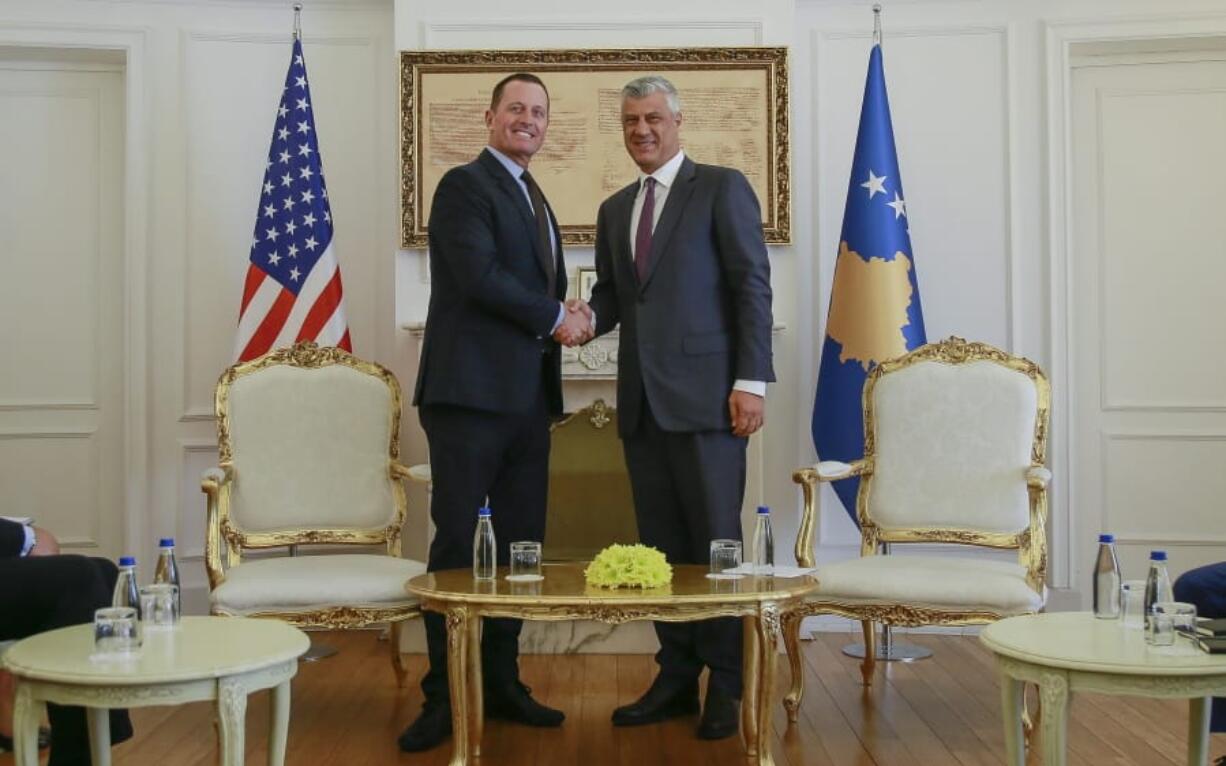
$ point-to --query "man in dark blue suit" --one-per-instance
(490, 380)
(43, 590)
(1206, 588)
(682, 266)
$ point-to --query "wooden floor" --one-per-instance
(945, 710)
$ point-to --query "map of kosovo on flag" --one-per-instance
(875, 309)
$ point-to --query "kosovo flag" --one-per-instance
(875, 302)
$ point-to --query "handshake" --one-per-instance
(578, 325)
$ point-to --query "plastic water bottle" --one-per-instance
(127, 593)
(763, 543)
(1106, 580)
(485, 555)
(167, 570)
(1157, 584)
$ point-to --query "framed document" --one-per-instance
(585, 280)
(734, 102)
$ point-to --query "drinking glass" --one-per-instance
(1170, 620)
(725, 555)
(159, 604)
(525, 562)
(116, 630)
(1184, 615)
(1133, 600)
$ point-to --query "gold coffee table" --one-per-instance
(1065, 652)
(762, 603)
(205, 658)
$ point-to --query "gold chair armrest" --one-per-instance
(211, 483)
(1038, 477)
(809, 480)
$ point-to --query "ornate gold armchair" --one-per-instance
(955, 439)
(309, 440)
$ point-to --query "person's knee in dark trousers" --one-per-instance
(1205, 588)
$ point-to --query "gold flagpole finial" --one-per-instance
(876, 23)
(297, 21)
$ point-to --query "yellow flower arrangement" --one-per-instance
(629, 566)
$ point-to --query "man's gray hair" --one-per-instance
(654, 83)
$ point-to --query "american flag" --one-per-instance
(293, 289)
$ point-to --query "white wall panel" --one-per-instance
(1163, 318)
(52, 476)
(232, 85)
(50, 140)
(1165, 487)
(949, 98)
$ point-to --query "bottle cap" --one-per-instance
(1106, 538)
(127, 561)
(483, 511)
(764, 509)
(166, 542)
(1157, 555)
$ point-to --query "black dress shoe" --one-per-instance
(44, 740)
(719, 714)
(431, 727)
(667, 698)
(515, 703)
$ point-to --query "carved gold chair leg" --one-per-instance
(791, 640)
(870, 651)
(397, 658)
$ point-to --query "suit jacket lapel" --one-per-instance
(683, 187)
(510, 186)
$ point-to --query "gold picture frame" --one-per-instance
(735, 103)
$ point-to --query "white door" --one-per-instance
(61, 300)
(1148, 309)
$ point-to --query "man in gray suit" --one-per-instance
(682, 266)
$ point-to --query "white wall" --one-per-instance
(969, 85)
(974, 88)
(202, 82)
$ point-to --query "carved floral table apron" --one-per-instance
(205, 658)
(761, 602)
(1065, 652)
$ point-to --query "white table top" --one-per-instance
(201, 647)
(1079, 641)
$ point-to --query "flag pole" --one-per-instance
(887, 649)
(317, 650)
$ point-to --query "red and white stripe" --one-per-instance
(273, 317)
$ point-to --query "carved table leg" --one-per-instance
(768, 648)
(1054, 694)
(232, 713)
(27, 712)
(791, 639)
(749, 685)
(1011, 695)
(278, 723)
(476, 687)
(1198, 731)
(457, 679)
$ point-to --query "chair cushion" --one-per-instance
(316, 582)
(937, 582)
